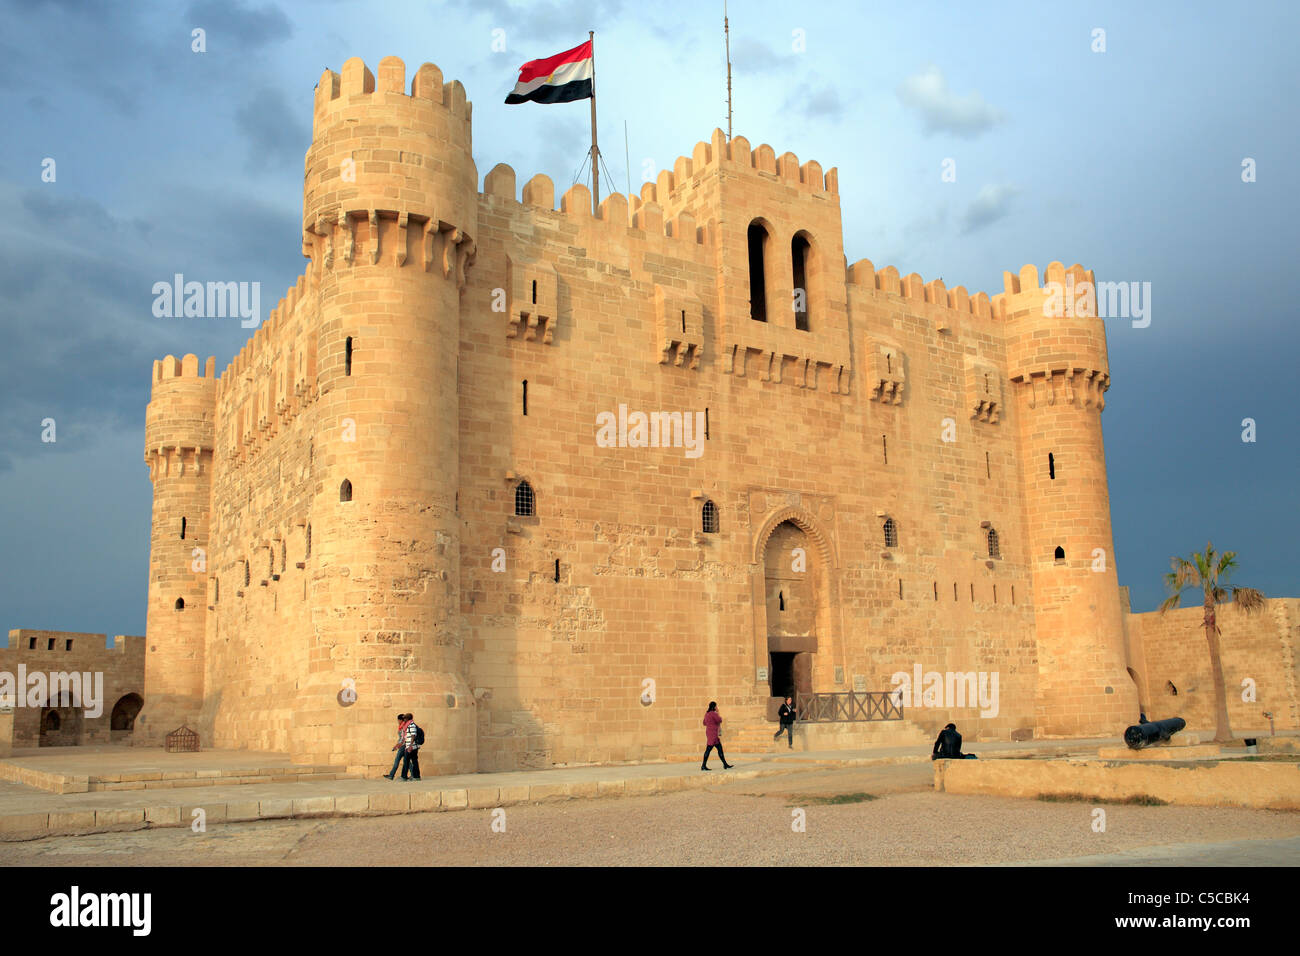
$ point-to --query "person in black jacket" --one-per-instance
(786, 716)
(947, 746)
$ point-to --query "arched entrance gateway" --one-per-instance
(795, 626)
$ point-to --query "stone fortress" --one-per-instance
(396, 497)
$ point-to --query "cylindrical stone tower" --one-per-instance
(389, 212)
(178, 450)
(1056, 353)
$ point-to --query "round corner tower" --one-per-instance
(390, 200)
(179, 435)
(1056, 354)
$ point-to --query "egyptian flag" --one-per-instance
(561, 78)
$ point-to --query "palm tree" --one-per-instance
(1209, 571)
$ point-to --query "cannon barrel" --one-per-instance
(1153, 732)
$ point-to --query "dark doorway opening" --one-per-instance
(782, 674)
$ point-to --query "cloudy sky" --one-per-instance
(1127, 160)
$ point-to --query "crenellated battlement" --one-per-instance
(864, 275)
(620, 212)
(355, 85)
(737, 155)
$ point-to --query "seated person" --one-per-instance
(947, 746)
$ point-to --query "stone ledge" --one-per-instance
(1231, 783)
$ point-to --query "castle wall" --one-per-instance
(1260, 646)
(598, 628)
(121, 667)
(559, 666)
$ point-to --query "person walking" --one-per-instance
(400, 746)
(414, 739)
(786, 716)
(712, 722)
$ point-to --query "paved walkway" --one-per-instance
(26, 811)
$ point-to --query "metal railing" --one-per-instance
(866, 705)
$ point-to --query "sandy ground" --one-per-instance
(746, 823)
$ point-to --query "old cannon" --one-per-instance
(1152, 732)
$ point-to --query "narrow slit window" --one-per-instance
(683, 321)
(757, 237)
(525, 396)
(534, 292)
(1051, 466)
(182, 529)
(884, 448)
(972, 591)
(706, 423)
(1013, 594)
(988, 468)
(780, 596)
(995, 594)
(347, 356)
(557, 570)
(954, 590)
(900, 589)
(936, 590)
(307, 553)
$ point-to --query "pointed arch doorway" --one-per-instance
(793, 592)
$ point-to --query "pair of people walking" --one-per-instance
(410, 737)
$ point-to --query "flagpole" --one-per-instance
(595, 151)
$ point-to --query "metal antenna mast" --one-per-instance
(726, 31)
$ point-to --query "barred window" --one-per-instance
(709, 517)
(891, 533)
(525, 501)
(995, 550)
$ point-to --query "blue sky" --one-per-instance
(1127, 160)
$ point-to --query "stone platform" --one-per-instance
(110, 767)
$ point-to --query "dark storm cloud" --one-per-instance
(275, 130)
(234, 25)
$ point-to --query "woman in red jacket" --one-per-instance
(712, 721)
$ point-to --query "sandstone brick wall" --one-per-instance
(121, 665)
(1171, 649)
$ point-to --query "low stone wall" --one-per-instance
(1233, 783)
